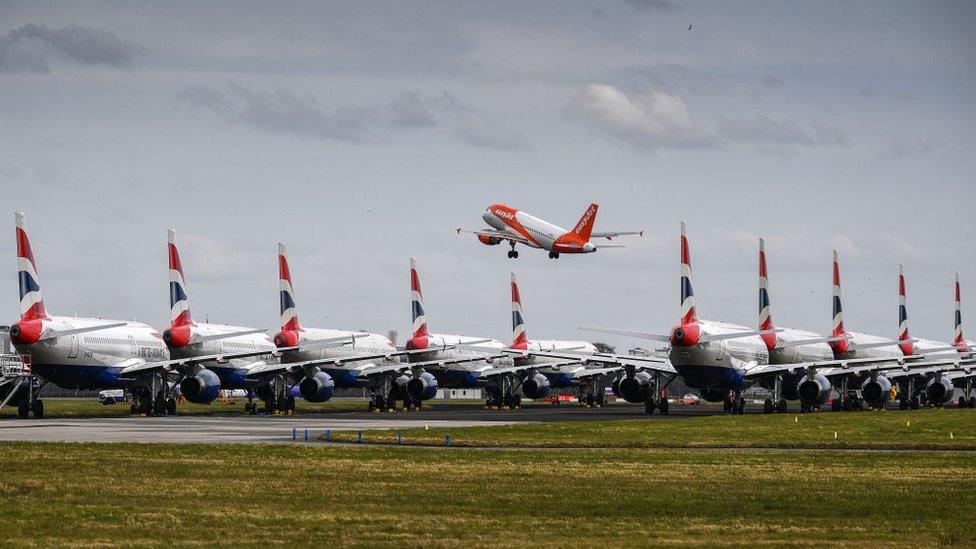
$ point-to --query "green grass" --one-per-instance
(919, 429)
(90, 407)
(114, 494)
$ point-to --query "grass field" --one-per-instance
(110, 494)
(90, 407)
(918, 429)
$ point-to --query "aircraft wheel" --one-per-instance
(23, 409)
(768, 406)
(133, 409)
(38, 408)
(511, 254)
(741, 406)
(171, 406)
(649, 407)
(914, 403)
(515, 254)
(663, 407)
(781, 406)
(269, 406)
(972, 402)
(726, 406)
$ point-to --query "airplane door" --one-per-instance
(73, 344)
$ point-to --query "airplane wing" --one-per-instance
(837, 367)
(613, 234)
(503, 234)
(657, 364)
(138, 365)
(596, 372)
(667, 337)
(214, 337)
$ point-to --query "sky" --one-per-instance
(363, 133)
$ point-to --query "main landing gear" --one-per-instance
(967, 400)
(777, 403)
(553, 255)
(591, 395)
(18, 384)
(512, 254)
(734, 403)
(156, 398)
(503, 395)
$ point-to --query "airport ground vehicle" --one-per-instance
(19, 386)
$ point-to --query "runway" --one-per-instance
(244, 429)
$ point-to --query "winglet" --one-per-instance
(179, 303)
(31, 300)
(687, 293)
(286, 293)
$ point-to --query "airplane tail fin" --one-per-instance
(907, 348)
(179, 304)
(417, 303)
(838, 310)
(958, 339)
(31, 300)
(519, 337)
(585, 224)
(286, 293)
(765, 315)
(687, 293)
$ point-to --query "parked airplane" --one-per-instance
(721, 359)
(518, 227)
(189, 339)
(94, 353)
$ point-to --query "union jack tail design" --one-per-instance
(417, 302)
(687, 293)
(585, 224)
(838, 310)
(31, 301)
(959, 339)
(179, 304)
(286, 293)
(519, 338)
(765, 316)
(906, 347)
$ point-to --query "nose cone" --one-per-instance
(488, 216)
(589, 247)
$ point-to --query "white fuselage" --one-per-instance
(464, 374)
(541, 233)
(885, 351)
(807, 352)
(346, 375)
(719, 365)
(231, 372)
(92, 359)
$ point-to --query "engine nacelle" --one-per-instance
(814, 391)
(422, 387)
(202, 388)
(940, 391)
(637, 388)
(535, 386)
(615, 387)
(489, 240)
(876, 391)
(177, 337)
(317, 388)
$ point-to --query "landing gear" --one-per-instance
(781, 406)
(553, 255)
(23, 409)
(734, 404)
(512, 254)
(768, 406)
(777, 403)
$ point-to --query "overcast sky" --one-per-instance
(362, 133)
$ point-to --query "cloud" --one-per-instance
(30, 47)
(410, 111)
(281, 111)
(763, 130)
(769, 82)
(661, 121)
(908, 146)
(659, 5)
(486, 134)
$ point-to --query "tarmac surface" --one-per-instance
(244, 429)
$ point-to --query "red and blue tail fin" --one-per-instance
(838, 309)
(31, 300)
(519, 338)
(417, 303)
(906, 347)
(585, 224)
(286, 293)
(765, 315)
(179, 303)
(958, 338)
(687, 293)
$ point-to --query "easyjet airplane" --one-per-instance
(518, 227)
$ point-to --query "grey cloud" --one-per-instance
(281, 111)
(30, 47)
(907, 146)
(769, 82)
(409, 110)
(763, 130)
(869, 91)
(660, 121)
(482, 133)
(659, 5)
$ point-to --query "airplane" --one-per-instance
(518, 227)
(722, 359)
(187, 338)
(319, 358)
(94, 353)
(552, 369)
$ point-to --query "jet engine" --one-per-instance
(814, 390)
(317, 388)
(615, 387)
(636, 388)
(940, 391)
(535, 386)
(876, 391)
(489, 240)
(202, 388)
(422, 387)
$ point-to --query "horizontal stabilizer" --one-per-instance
(811, 341)
(630, 333)
(229, 335)
(54, 334)
(888, 343)
(737, 335)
